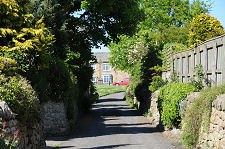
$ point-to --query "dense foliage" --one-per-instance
(23, 45)
(50, 45)
(204, 27)
(198, 115)
(24, 49)
(20, 96)
(161, 14)
(78, 26)
(156, 83)
(168, 50)
(170, 98)
(165, 22)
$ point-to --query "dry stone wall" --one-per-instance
(155, 118)
(55, 119)
(215, 137)
(30, 135)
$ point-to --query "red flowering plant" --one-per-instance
(7, 141)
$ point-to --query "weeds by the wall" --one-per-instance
(200, 78)
(199, 114)
(148, 114)
(131, 102)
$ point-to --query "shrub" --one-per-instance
(8, 66)
(57, 84)
(167, 52)
(204, 27)
(171, 95)
(198, 115)
(200, 79)
(20, 96)
(156, 83)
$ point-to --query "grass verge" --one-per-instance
(109, 89)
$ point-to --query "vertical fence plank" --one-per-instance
(223, 61)
(192, 64)
(180, 67)
(214, 59)
(205, 59)
(186, 67)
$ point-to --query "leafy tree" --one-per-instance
(174, 34)
(204, 27)
(77, 34)
(160, 14)
(130, 50)
(166, 21)
(113, 16)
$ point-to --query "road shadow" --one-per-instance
(108, 146)
(96, 122)
(49, 147)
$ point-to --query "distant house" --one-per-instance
(103, 72)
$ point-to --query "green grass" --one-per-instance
(109, 89)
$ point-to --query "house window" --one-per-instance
(93, 66)
(94, 79)
(106, 67)
(107, 78)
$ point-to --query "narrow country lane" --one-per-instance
(113, 124)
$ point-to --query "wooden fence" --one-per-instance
(210, 54)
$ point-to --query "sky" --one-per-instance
(218, 11)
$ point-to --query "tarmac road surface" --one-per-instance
(112, 124)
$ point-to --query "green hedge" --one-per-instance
(171, 95)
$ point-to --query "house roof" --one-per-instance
(102, 56)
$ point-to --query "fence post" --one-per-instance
(223, 62)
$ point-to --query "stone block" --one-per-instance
(191, 97)
(222, 143)
(219, 102)
(213, 116)
(211, 128)
(223, 116)
(155, 119)
(55, 119)
(5, 112)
